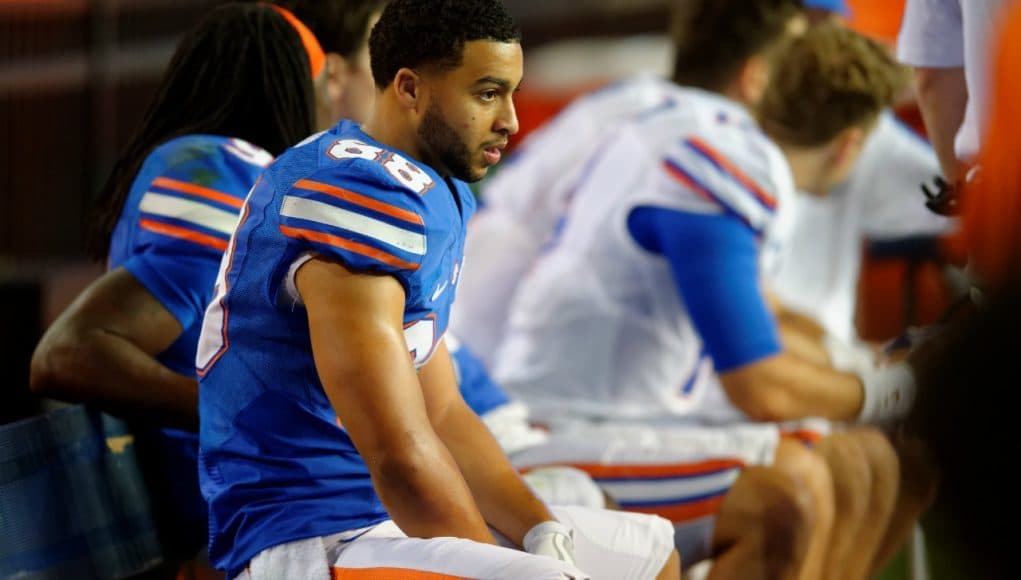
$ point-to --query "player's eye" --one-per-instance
(488, 96)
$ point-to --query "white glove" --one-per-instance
(889, 393)
(552, 539)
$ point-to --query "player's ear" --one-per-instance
(336, 76)
(407, 86)
(849, 143)
(752, 79)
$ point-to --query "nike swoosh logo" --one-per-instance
(439, 290)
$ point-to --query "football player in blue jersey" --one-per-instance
(333, 438)
(238, 91)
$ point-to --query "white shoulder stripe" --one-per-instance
(324, 213)
(187, 210)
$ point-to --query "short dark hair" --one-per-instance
(241, 72)
(416, 33)
(829, 79)
(714, 38)
(340, 26)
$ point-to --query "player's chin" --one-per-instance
(477, 173)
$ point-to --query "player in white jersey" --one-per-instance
(819, 253)
(598, 345)
(947, 42)
(526, 197)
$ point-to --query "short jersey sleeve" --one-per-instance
(355, 213)
(186, 215)
(713, 260)
(736, 179)
(931, 34)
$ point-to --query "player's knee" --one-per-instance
(882, 459)
(851, 472)
(811, 475)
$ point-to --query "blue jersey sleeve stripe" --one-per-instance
(186, 210)
(703, 150)
(324, 214)
(361, 200)
(687, 179)
(348, 246)
(186, 234)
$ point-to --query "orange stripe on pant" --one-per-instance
(389, 574)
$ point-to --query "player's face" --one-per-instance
(470, 114)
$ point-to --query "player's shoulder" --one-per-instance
(713, 147)
(221, 164)
(351, 161)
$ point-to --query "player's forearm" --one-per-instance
(785, 387)
(802, 336)
(942, 99)
(506, 502)
(109, 372)
(419, 483)
(98, 367)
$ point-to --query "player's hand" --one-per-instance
(551, 538)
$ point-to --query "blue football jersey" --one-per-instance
(178, 216)
(275, 464)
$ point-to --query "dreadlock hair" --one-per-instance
(340, 26)
(432, 33)
(713, 39)
(241, 72)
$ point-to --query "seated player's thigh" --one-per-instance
(383, 551)
(618, 545)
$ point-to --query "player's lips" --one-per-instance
(493, 153)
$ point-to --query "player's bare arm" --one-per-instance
(942, 97)
(784, 387)
(102, 349)
(355, 322)
(507, 504)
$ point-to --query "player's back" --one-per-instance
(276, 465)
(526, 196)
(179, 213)
(598, 327)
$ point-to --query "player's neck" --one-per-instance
(390, 126)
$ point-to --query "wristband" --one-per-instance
(550, 538)
(889, 393)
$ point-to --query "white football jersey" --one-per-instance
(819, 255)
(524, 198)
(597, 326)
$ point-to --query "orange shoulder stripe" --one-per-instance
(348, 245)
(357, 199)
(198, 191)
(184, 234)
